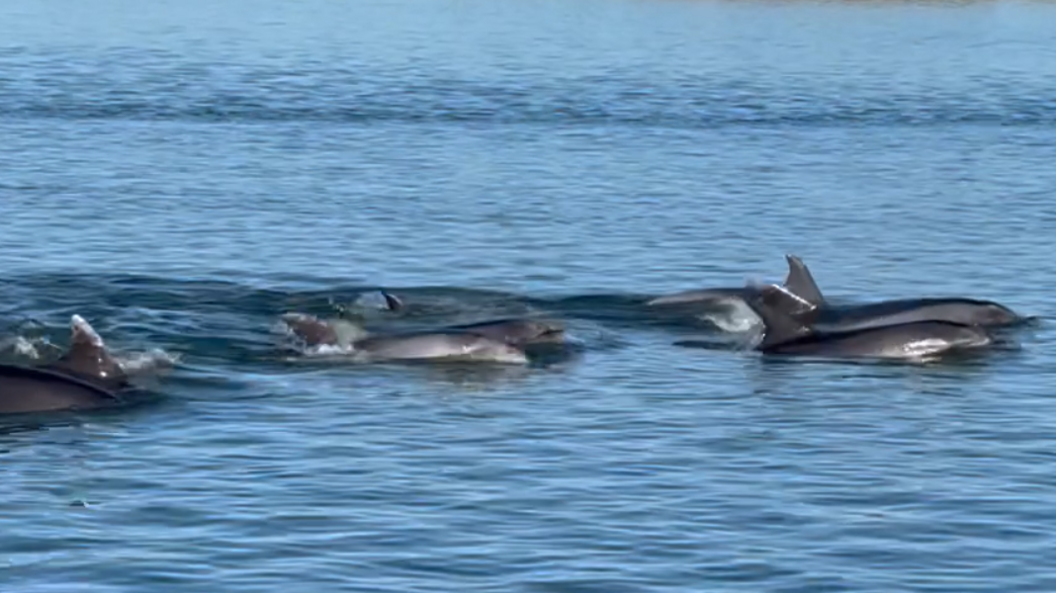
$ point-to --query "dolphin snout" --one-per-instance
(550, 333)
(998, 315)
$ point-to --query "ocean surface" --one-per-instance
(182, 173)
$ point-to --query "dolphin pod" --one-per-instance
(796, 317)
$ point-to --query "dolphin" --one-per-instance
(85, 377)
(444, 344)
(823, 316)
(784, 333)
(798, 280)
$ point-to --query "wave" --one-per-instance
(165, 91)
(402, 105)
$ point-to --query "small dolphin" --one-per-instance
(920, 340)
(315, 332)
(798, 280)
(446, 344)
(85, 377)
(830, 318)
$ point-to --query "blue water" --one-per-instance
(182, 173)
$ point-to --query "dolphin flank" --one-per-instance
(786, 334)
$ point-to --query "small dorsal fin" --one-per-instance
(801, 282)
(392, 301)
(311, 329)
(779, 309)
(88, 356)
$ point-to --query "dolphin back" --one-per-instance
(36, 389)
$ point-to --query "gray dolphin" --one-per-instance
(920, 340)
(831, 318)
(85, 377)
(444, 344)
(798, 280)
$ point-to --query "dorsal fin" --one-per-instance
(779, 309)
(88, 356)
(801, 282)
(392, 301)
(311, 329)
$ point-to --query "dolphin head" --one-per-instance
(310, 329)
(519, 332)
(314, 332)
(993, 314)
(531, 331)
(88, 356)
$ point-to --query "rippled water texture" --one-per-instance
(181, 174)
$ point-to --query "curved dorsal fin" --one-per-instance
(88, 356)
(392, 301)
(801, 282)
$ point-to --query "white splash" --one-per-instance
(150, 362)
(737, 318)
(22, 347)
